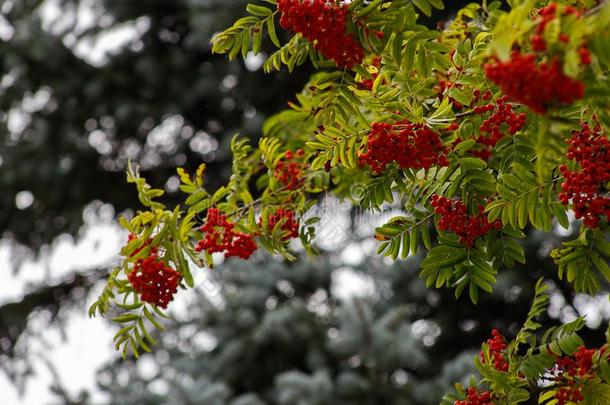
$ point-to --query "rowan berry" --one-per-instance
(154, 280)
(367, 84)
(145, 244)
(585, 55)
(587, 188)
(566, 395)
(454, 217)
(503, 118)
(572, 373)
(549, 13)
(545, 16)
(411, 146)
(442, 87)
(497, 345)
(584, 360)
(453, 127)
(289, 225)
(324, 24)
(289, 171)
(537, 79)
(474, 397)
(536, 85)
(219, 235)
(538, 43)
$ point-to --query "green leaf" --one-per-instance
(470, 163)
(545, 396)
(272, 33)
(438, 4)
(126, 318)
(257, 39)
(459, 95)
(424, 6)
(597, 394)
(473, 292)
(368, 9)
(601, 265)
(152, 319)
(464, 146)
(258, 10)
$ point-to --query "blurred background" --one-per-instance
(85, 86)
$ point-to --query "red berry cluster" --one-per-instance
(475, 397)
(545, 16)
(367, 84)
(219, 235)
(455, 218)
(585, 55)
(154, 280)
(478, 96)
(572, 372)
(323, 23)
(289, 171)
(497, 345)
(411, 146)
(444, 85)
(577, 365)
(503, 114)
(587, 188)
(289, 225)
(537, 85)
(571, 393)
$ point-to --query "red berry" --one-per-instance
(571, 373)
(536, 85)
(289, 171)
(586, 188)
(455, 218)
(474, 397)
(289, 226)
(585, 55)
(444, 86)
(367, 84)
(411, 146)
(503, 118)
(538, 43)
(497, 345)
(138, 250)
(154, 280)
(324, 24)
(545, 16)
(219, 235)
